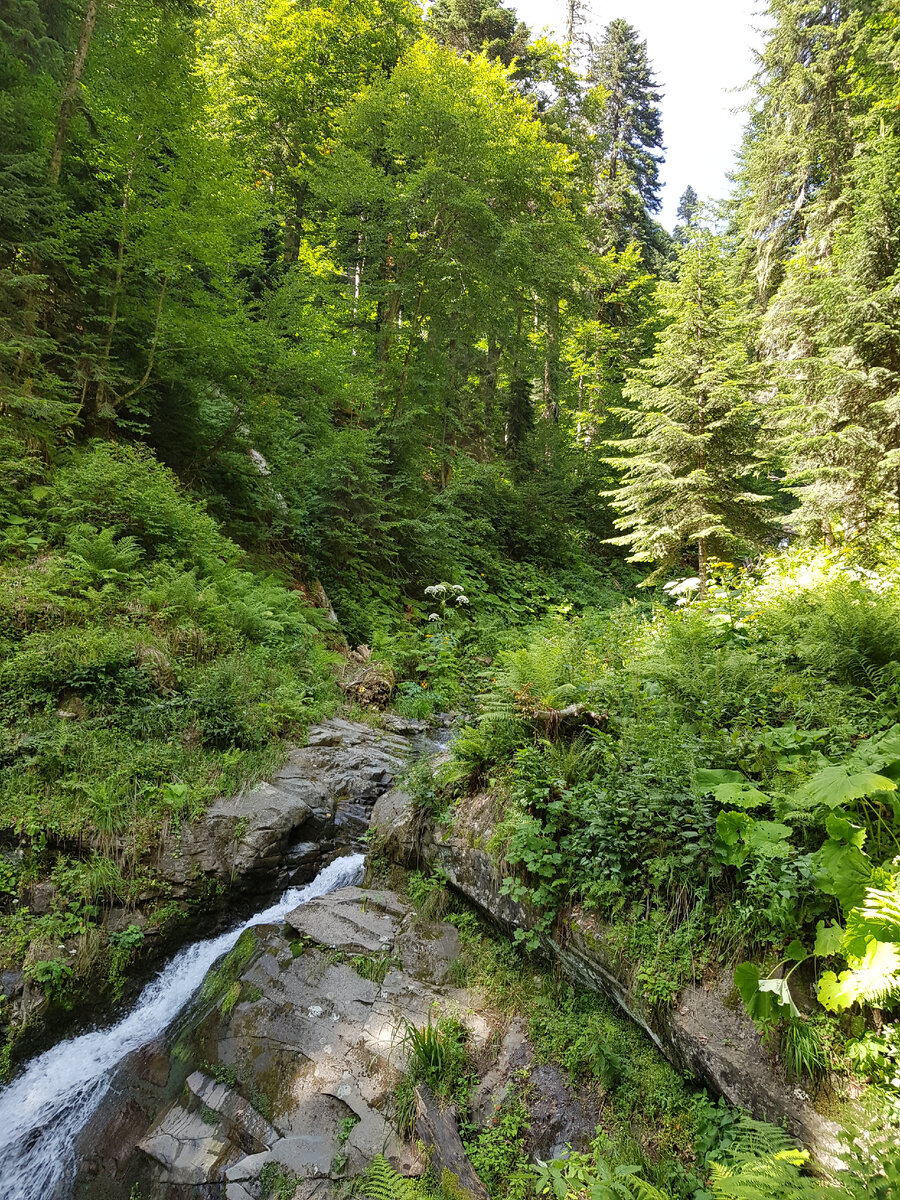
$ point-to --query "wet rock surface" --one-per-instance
(396, 828)
(562, 1115)
(289, 1059)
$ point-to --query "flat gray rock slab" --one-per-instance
(350, 919)
(188, 1150)
(246, 1124)
(314, 1050)
(427, 952)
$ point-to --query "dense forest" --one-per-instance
(345, 363)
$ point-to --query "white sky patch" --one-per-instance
(701, 50)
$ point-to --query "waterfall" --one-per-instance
(43, 1110)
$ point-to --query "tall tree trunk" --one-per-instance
(293, 226)
(572, 19)
(410, 342)
(520, 413)
(551, 364)
(31, 315)
(489, 385)
(70, 91)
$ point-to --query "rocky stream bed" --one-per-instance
(288, 1050)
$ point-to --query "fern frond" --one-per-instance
(382, 1182)
(770, 1178)
(641, 1190)
(540, 669)
(763, 1164)
(881, 911)
(758, 1139)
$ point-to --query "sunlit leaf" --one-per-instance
(706, 778)
(743, 794)
(834, 786)
(829, 939)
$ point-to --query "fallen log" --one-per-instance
(437, 1130)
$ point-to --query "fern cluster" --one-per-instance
(381, 1182)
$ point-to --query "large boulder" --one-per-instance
(395, 828)
(277, 833)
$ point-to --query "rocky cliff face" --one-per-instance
(273, 836)
(288, 1059)
(705, 1033)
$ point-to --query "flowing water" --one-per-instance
(43, 1110)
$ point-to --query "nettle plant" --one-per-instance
(856, 872)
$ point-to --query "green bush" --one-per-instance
(145, 669)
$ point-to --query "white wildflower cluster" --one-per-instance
(451, 591)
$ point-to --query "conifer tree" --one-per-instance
(798, 143)
(820, 223)
(473, 26)
(688, 206)
(686, 216)
(689, 464)
(624, 112)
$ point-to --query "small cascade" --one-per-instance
(43, 1110)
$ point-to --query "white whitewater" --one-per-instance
(43, 1110)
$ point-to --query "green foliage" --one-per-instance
(624, 105)
(804, 1049)
(346, 1128)
(429, 894)
(497, 1152)
(54, 975)
(372, 966)
(437, 1056)
(759, 1163)
(689, 466)
(299, 293)
(381, 1182)
(591, 1173)
(146, 670)
(123, 947)
(277, 1182)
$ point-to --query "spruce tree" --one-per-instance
(688, 207)
(687, 215)
(798, 142)
(625, 115)
(820, 221)
(688, 467)
(476, 26)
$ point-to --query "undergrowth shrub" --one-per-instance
(144, 669)
(686, 798)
